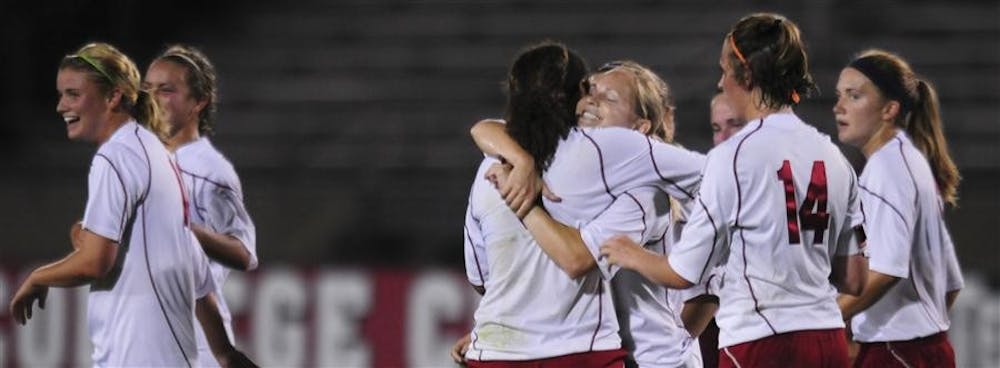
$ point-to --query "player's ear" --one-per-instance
(643, 126)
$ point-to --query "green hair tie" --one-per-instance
(96, 65)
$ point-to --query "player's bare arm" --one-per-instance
(698, 312)
(91, 261)
(849, 274)
(627, 254)
(207, 311)
(560, 242)
(950, 298)
(225, 249)
(876, 287)
(521, 191)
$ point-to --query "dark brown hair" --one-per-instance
(767, 52)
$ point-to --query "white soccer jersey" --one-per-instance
(788, 200)
(593, 166)
(531, 309)
(216, 202)
(908, 239)
(142, 312)
(648, 313)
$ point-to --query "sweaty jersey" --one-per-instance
(908, 239)
(142, 312)
(216, 202)
(787, 199)
(648, 313)
(531, 309)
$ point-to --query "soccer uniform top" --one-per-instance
(142, 312)
(648, 313)
(908, 239)
(787, 198)
(531, 309)
(216, 202)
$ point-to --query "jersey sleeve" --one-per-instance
(889, 220)
(638, 160)
(630, 215)
(703, 243)
(476, 268)
(111, 197)
(228, 215)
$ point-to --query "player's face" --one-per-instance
(82, 105)
(859, 108)
(725, 122)
(608, 100)
(737, 96)
(167, 82)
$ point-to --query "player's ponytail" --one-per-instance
(147, 112)
(919, 113)
(542, 91)
(924, 128)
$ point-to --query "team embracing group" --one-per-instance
(164, 221)
(597, 241)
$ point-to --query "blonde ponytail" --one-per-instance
(924, 128)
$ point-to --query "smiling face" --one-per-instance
(860, 108)
(167, 82)
(608, 100)
(83, 106)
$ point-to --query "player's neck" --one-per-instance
(879, 139)
(181, 136)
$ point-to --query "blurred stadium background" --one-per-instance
(348, 120)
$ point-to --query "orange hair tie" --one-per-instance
(736, 50)
(795, 97)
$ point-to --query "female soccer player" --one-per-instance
(183, 81)
(143, 265)
(621, 94)
(891, 115)
(786, 197)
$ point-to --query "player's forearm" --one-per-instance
(560, 242)
(849, 274)
(491, 137)
(698, 312)
(877, 286)
(225, 249)
(207, 311)
(657, 268)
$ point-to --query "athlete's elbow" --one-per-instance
(579, 266)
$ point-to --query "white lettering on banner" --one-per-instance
(279, 331)
(344, 298)
(416, 315)
(42, 342)
(435, 297)
(84, 349)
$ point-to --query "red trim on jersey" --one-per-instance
(739, 208)
(600, 160)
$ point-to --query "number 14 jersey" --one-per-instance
(785, 201)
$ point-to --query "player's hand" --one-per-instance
(623, 252)
(460, 348)
(74, 234)
(21, 303)
(518, 185)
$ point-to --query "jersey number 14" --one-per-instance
(812, 214)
